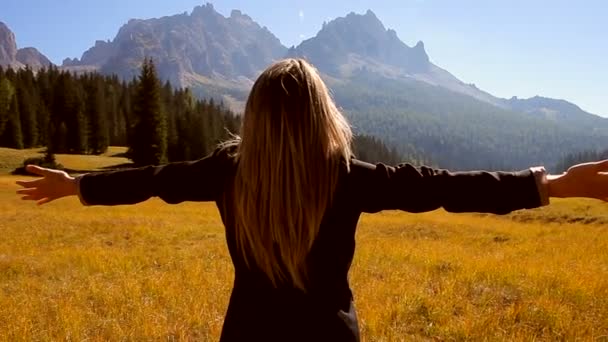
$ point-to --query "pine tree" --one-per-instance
(12, 136)
(43, 105)
(68, 119)
(27, 110)
(6, 95)
(148, 142)
(98, 125)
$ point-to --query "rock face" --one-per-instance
(17, 58)
(8, 47)
(188, 48)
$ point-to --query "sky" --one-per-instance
(523, 48)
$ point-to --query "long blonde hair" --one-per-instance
(292, 142)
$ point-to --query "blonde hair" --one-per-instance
(293, 140)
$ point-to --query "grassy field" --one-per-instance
(160, 272)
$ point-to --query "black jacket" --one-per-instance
(259, 312)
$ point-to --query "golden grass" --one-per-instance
(160, 272)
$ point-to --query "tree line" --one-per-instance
(86, 113)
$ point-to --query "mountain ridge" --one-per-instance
(101, 57)
(184, 49)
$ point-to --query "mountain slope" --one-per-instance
(557, 111)
(454, 130)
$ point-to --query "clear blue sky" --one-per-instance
(554, 48)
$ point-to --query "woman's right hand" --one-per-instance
(54, 184)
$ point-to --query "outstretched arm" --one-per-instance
(200, 180)
(419, 189)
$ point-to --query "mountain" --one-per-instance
(33, 58)
(225, 54)
(387, 88)
(394, 91)
(8, 47)
(17, 58)
(354, 41)
(347, 45)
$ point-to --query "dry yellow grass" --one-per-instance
(160, 272)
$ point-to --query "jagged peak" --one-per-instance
(29, 48)
(102, 42)
(371, 14)
(362, 22)
(240, 16)
(203, 10)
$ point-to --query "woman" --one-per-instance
(290, 194)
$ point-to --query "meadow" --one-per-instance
(162, 272)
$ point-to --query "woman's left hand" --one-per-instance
(583, 180)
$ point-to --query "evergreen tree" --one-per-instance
(148, 142)
(96, 110)
(6, 95)
(27, 110)
(43, 105)
(12, 133)
(68, 115)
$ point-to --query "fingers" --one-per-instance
(29, 184)
(37, 170)
(45, 200)
(32, 197)
(27, 191)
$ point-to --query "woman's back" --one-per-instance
(261, 310)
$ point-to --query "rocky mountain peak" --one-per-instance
(188, 48)
(32, 57)
(8, 46)
(362, 37)
(18, 58)
(204, 11)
